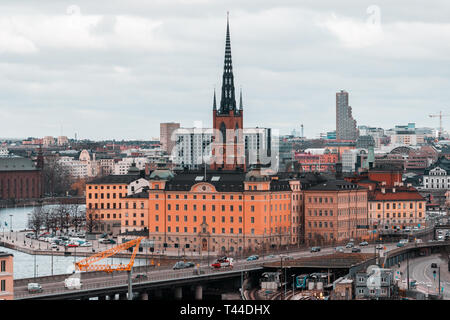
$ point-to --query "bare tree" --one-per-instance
(36, 221)
(57, 178)
(62, 217)
(92, 220)
(77, 215)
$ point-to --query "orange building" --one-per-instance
(106, 208)
(6, 276)
(335, 211)
(221, 211)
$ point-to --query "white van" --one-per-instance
(72, 283)
(34, 287)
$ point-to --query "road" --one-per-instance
(421, 271)
(116, 279)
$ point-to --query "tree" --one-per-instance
(92, 220)
(37, 220)
(62, 216)
(57, 178)
(77, 215)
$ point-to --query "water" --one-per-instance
(19, 219)
(24, 263)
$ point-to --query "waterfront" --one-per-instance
(17, 218)
(24, 263)
(46, 265)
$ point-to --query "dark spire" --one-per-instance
(228, 100)
(240, 101)
(214, 101)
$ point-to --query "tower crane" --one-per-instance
(440, 115)
(88, 264)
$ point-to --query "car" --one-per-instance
(400, 244)
(72, 245)
(434, 265)
(339, 249)
(140, 276)
(54, 245)
(356, 249)
(291, 257)
(364, 243)
(379, 247)
(315, 249)
(271, 256)
(183, 265)
(34, 287)
(252, 258)
(419, 241)
(350, 245)
(86, 244)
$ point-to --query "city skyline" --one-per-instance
(135, 68)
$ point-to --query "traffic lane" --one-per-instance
(420, 270)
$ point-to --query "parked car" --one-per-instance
(356, 249)
(253, 257)
(54, 245)
(364, 243)
(86, 244)
(315, 249)
(400, 244)
(34, 287)
(349, 245)
(339, 249)
(434, 265)
(380, 247)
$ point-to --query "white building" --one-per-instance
(437, 176)
(123, 165)
(193, 145)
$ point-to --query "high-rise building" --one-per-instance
(345, 124)
(166, 131)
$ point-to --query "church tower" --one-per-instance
(228, 137)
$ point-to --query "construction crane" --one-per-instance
(440, 115)
(88, 264)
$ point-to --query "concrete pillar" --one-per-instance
(198, 292)
(144, 295)
(158, 294)
(178, 293)
(123, 296)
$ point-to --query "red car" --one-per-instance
(72, 245)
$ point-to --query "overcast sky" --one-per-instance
(116, 69)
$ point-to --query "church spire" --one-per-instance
(240, 101)
(214, 101)
(228, 100)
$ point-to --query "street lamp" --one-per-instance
(10, 225)
(293, 285)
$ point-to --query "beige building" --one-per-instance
(6, 276)
(396, 207)
(166, 131)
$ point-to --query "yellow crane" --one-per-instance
(88, 264)
(440, 115)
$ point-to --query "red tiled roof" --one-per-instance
(402, 194)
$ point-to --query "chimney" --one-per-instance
(383, 190)
(393, 190)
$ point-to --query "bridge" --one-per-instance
(158, 284)
(412, 250)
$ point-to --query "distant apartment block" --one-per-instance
(166, 139)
